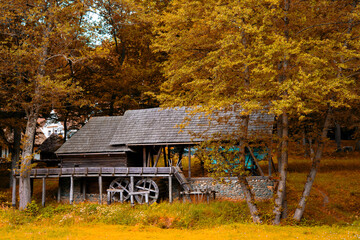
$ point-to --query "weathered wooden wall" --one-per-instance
(106, 160)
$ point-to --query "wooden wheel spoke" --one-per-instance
(147, 185)
(120, 183)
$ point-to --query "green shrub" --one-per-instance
(47, 212)
(32, 209)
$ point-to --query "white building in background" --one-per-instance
(52, 127)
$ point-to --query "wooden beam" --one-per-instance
(71, 195)
(189, 158)
(13, 202)
(157, 157)
(144, 156)
(255, 160)
(165, 161)
(148, 158)
(161, 144)
(169, 157)
(170, 190)
(152, 157)
(84, 188)
(179, 162)
(100, 189)
(59, 192)
(131, 188)
(43, 195)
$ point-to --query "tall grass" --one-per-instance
(163, 215)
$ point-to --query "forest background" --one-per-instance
(297, 60)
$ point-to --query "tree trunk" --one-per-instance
(304, 144)
(314, 168)
(338, 137)
(65, 128)
(15, 152)
(279, 135)
(249, 199)
(281, 190)
(25, 167)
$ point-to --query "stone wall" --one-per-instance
(230, 189)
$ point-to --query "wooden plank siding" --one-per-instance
(106, 160)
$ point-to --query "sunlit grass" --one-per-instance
(234, 231)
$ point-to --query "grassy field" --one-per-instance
(233, 231)
(332, 212)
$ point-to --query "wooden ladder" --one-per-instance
(182, 179)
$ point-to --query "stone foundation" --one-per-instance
(230, 189)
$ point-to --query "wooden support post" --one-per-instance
(144, 156)
(100, 189)
(59, 192)
(71, 195)
(108, 198)
(169, 157)
(189, 155)
(165, 161)
(157, 157)
(43, 192)
(84, 188)
(170, 189)
(179, 162)
(147, 198)
(13, 202)
(122, 196)
(152, 158)
(148, 159)
(131, 188)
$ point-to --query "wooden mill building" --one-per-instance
(133, 152)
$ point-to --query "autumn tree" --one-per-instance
(276, 56)
(45, 33)
(121, 68)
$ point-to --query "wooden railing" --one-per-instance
(99, 171)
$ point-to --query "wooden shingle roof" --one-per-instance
(94, 137)
(162, 126)
(157, 126)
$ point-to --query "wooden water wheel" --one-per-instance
(147, 184)
(123, 184)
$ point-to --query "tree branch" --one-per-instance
(319, 25)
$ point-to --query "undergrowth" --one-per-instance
(163, 215)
